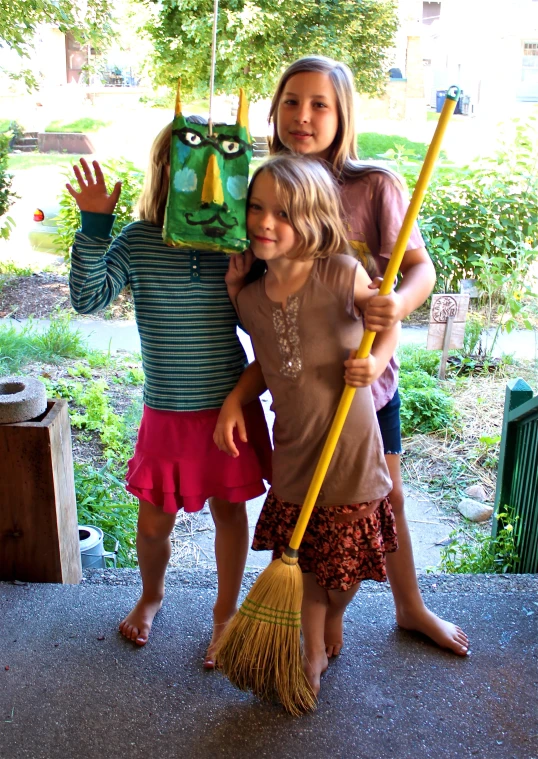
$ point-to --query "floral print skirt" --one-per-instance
(339, 548)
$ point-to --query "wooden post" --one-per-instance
(517, 393)
(447, 324)
(446, 344)
(38, 516)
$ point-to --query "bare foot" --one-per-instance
(334, 633)
(218, 629)
(314, 665)
(137, 623)
(445, 634)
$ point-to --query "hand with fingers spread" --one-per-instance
(93, 195)
(230, 417)
(238, 268)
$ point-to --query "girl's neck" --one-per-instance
(285, 277)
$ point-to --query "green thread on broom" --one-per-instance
(289, 612)
(270, 620)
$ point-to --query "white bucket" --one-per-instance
(92, 551)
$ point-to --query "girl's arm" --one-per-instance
(238, 268)
(361, 372)
(250, 386)
(99, 266)
(418, 280)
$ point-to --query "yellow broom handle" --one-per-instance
(368, 337)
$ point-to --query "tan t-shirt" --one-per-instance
(302, 350)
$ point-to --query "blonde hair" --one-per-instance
(343, 157)
(152, 202)
(310, 198)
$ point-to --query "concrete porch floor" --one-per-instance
(71, 687)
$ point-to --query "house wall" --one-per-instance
(50, 55)
(478, 44)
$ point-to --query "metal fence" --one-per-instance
(517, 476)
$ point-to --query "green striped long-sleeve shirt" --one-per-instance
(191, 354)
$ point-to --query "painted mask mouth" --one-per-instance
(209, 227)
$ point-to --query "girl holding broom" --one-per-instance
(313, 114)
(304, 317)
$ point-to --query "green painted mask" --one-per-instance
(206, 205)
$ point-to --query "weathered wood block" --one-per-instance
(38, 515)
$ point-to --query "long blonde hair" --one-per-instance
(152, 201)
(343, 157)
(309, 196)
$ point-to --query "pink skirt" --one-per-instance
(176, 465)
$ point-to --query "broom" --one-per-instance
(260, 650)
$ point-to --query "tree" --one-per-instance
(88, 20)
(256, 39)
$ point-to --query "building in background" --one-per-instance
(488, 47)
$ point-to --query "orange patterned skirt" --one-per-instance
(339, 548)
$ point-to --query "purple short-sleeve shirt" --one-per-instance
(375, 205)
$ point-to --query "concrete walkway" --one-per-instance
(122, 335)
(71, 687)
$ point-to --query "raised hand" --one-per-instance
(93, 195)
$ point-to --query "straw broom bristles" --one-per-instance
(260, 650)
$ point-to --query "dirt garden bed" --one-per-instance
(45, 294)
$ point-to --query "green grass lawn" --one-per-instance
(79, 126)
(22, 161)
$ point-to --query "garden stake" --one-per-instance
(260, 650)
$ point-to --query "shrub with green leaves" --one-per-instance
(490, 208)
(7, 196)
(426, 406)
(472, 551)
(132, 180)
(412, 358)
(103, 501)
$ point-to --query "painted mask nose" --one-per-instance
(212, 189)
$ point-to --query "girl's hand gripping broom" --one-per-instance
(260, 649)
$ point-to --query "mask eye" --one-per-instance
(192, 138)
(230, 147)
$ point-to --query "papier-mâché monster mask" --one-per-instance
(206, 205)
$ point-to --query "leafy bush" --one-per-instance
(103, 501)
(79, 126)
(490, 209)
(473, 551)
(426, 406)
(131, 178)
(375, 145)
(7, 196)
(412, 358)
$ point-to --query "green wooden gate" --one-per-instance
(517, 474)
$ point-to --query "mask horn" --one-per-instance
(177, 109)
(242, 111)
